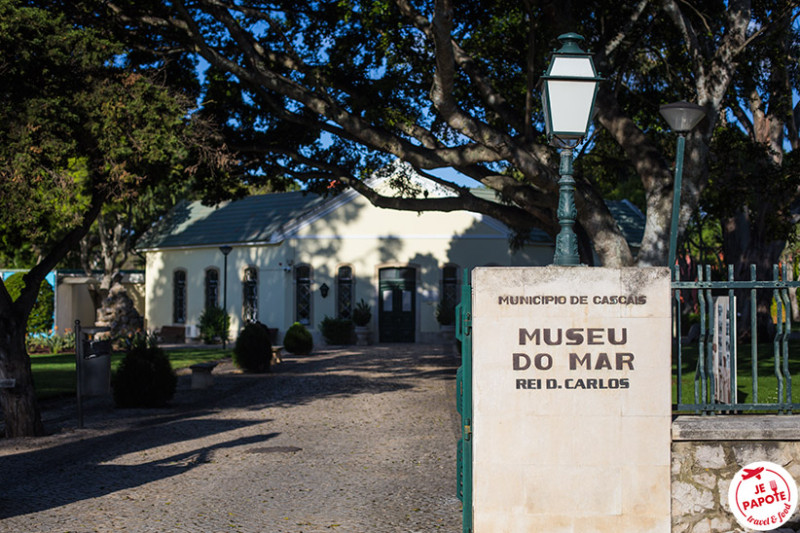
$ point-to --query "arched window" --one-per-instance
(302, 300)
(212, 288)
(179, 297)
(250, 295)
(344, 292)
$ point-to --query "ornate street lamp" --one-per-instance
(225, 251)
(569, 88)
(682, 117)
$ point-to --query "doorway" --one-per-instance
(398, 298)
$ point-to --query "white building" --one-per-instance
(299, 257)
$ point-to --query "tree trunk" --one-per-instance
(745, 244)
(793, 307)
(101, 292)
(114, 251)
(20, 409)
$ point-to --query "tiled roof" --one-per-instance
(263, 218)
(254, 219)
(629, 219)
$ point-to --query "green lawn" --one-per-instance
(767, 382)
(54, 375)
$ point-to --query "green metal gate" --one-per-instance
(464, 402)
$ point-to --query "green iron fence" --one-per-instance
(722, 363)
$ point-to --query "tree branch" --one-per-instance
(512, 216)
(744, 120)
(617, 40)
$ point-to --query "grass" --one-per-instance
(54, 375)
(767, 381)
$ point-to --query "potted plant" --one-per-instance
(446, 316)
(362, 314)
(214, 324)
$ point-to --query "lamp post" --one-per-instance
(569, 88)
(682, 117)
(225, 251)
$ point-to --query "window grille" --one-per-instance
(212, 288)
(344, 292)
(449, 298)
(303, 294)
(250, 295)
(179, 297)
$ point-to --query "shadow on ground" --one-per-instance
(71, 465)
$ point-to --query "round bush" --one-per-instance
(253, 350)
(298, 340)
(337, 331)
(41, 317)
(144, 378)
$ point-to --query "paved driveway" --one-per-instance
(346, 440)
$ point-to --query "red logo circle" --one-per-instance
(762, 496)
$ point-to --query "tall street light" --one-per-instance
(225, 251)
(569, 88)
(682, 117)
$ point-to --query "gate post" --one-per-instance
(571, 411)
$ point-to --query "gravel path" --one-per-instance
(351, 440)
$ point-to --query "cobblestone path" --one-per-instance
(346, 440)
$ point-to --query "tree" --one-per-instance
(755, 174)
(77, 134)
(440, 84)
(108, 247)
(40, 319)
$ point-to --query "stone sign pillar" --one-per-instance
(571, 400)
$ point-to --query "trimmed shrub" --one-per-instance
(214, 324)
(337, 330)
(253, 350)
(144, 377)
(298, 340)
(41, 317)
(445, 314)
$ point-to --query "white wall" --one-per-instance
(356, 234)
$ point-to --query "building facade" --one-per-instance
(298, 257)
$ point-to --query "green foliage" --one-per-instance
(702, 241)
(79, 130)
(298, 340)
(214, 322)
(445, 314)
(42, 108)
(76, 126)
(611, 171)
(41, 318)
(253, 350)
(745, 178)
(688, 320)
(337, 331)
(145, 377)
(51, 342)
(391, 90)
(55, 374)
(362, 313)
